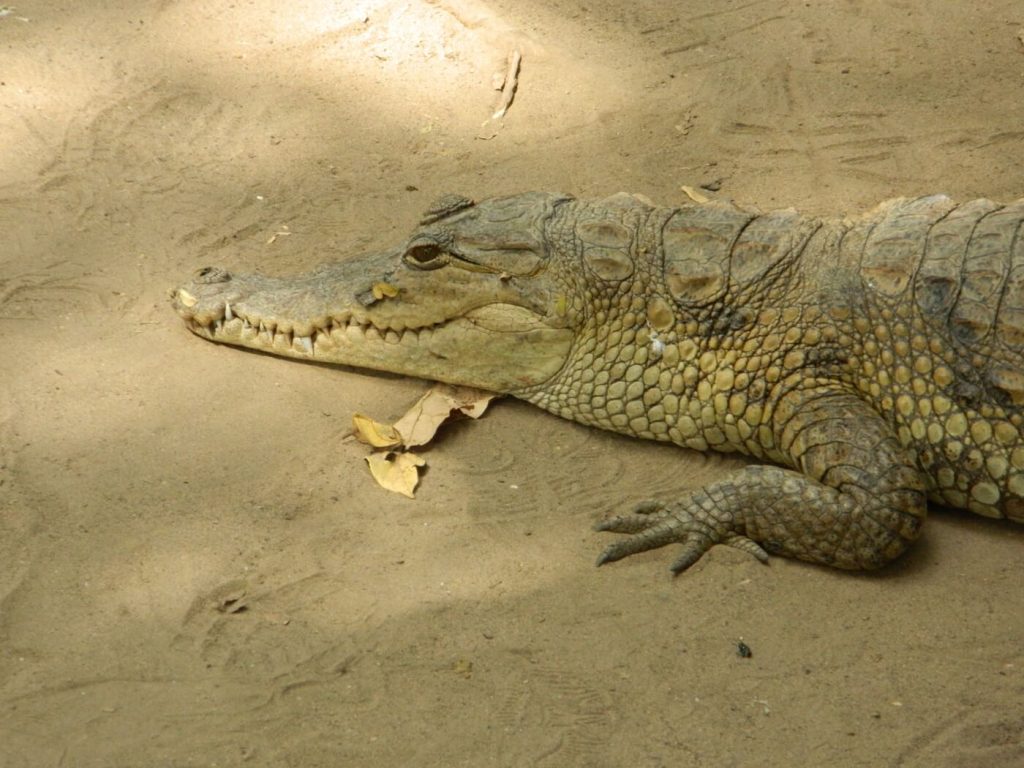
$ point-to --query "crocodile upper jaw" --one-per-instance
(326, 317)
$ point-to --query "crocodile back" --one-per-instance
(717, 254)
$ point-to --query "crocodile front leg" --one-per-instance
(856, 502)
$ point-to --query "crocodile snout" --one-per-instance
(202, 293)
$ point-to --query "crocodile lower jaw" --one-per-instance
(500, 347)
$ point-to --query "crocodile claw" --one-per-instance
(653, 524)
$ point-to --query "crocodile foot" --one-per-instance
(654, 524)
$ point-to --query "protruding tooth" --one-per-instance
(266, 337)
(391, 336)
(306, 343)
(186, 298)
(228, 314)
(218, 325)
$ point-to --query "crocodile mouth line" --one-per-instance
(322, 338)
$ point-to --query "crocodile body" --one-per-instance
(870, 363)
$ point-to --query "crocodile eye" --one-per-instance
(426, 256)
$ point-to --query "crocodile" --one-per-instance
(867, 364)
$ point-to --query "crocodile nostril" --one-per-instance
(212, 275)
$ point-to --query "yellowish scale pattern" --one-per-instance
(877, 357)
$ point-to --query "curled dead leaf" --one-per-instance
(384, 291)
(693, 194)
(374, 433)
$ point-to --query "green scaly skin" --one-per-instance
(872, 363)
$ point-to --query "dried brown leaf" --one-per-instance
(398, 472)
(419, 425)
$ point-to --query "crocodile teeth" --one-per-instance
(228, 314)
(218, 325)
(306, 343)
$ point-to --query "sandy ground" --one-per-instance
(195, 567)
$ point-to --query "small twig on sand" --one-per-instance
(507, 85)
(508, 89)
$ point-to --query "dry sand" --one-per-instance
(195, 567)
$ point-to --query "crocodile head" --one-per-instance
(471, 298)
